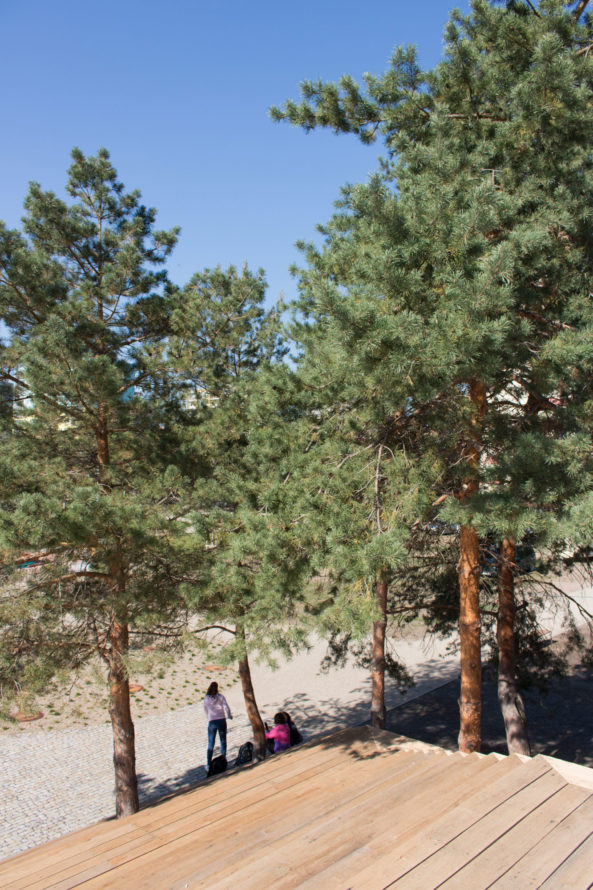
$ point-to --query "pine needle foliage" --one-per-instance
(455, 285)
(85, 468)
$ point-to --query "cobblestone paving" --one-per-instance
(59, 781)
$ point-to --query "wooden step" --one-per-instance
(359, 809)
(396, 825)
(548, 854)
(576, 872)
(295, 858)
(200, 807)
(132, 831)
(496, 858)
(387, 862)
(262, 820)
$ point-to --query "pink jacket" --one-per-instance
(281, 736)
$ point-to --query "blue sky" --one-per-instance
(179, 93)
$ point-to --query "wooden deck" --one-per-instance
(358, 809)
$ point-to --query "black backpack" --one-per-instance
(217, 766)
(245, 754)
(295, 736)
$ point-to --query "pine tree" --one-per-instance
(227, 350)
(357, 494)
(84, 458)
(466, 291)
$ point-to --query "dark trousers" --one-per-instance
(216, 726)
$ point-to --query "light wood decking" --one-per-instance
(358, 809)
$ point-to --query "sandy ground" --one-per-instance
(167, 684)
(319, 700)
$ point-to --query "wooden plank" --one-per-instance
(438, 865)
(258, 781)
(20, 876)
(294, 858)
(120, 848)
(234, 807)
(548, 854)
(208, 844)
(351, 743)
(424, 808)
(358, 741)
(63, 852)
(576, 872)
(24, 863)
(70, 877)
(261, 816)
(384, 864)
(496, 859)
(355, 739)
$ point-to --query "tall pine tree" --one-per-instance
(467, 292)
(235, 436)
(84, 456)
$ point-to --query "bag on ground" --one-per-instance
(218, 765)
(245, 754)
(295, 736)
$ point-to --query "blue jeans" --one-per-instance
(216, 726)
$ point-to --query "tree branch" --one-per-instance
(580, 8)
(227, 630)
(584, 612)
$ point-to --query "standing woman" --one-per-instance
(217, 710)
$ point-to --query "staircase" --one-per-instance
(357, 809)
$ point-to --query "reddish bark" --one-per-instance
(581, 6)
(257, 725)
(124, 752)
(102, 439)
(511, 703)
(470, 697)
(378, 662)
(114, 651)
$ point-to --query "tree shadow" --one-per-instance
(151, 789)
(559, 724)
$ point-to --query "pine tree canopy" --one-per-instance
(468, 255)
(446, 314)
(235, 438)
(85, 468)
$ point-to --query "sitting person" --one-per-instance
(280, 734)
(295, 736)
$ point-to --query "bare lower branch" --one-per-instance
(227, 630)
(584, 612)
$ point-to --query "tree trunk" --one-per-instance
(124, 753)
(257, 725)
(114, 653)
(378, 663)
(470, 697)
(511, 703)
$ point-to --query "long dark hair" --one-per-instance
(213, 689)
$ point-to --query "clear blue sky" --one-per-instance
(179, 93)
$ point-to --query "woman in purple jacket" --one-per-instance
(217, 710)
